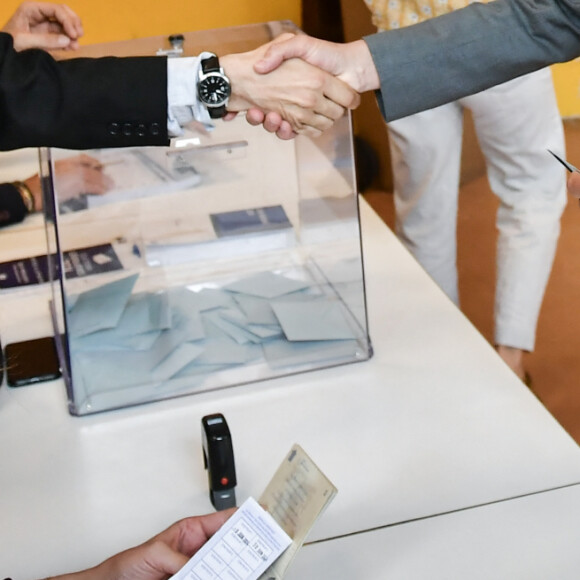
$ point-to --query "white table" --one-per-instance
(531, 538)
(434, 423)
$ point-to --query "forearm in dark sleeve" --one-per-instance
(81, 103)
(472, 49)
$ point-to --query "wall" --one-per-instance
(106, 20)
(567, 82)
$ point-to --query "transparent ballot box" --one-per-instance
(226, 258)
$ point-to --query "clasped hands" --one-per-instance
(290, 96)
(305, 83)
(295, 84)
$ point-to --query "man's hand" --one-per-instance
(74, 176)
(351, 62)
(44, 25)
(308, 99)
(161, 556)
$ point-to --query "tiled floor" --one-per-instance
(555, 363)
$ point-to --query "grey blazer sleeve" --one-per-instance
(469, 50)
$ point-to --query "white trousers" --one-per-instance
(516, 123)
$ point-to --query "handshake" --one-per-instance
(293, 85)
(297, 84)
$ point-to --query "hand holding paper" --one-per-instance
(254, 544)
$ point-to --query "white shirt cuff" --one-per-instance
(183, 105)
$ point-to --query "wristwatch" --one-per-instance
(213, 87)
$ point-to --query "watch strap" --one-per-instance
(217, 112)
(209, 65)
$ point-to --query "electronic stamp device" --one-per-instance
(218, 457)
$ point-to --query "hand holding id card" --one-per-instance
(255, 544)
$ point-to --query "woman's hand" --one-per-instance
(44, 25)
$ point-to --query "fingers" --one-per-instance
(44, 25)
(81, 174)
(281, 50)
(326, 113)
(95, 181)
(188, 535)
(320, 99)
(159, 559)
(272, 122)
(341, 93)
(211, 523)
(285, 131)
(48, 41)
(152, 560)
(306, 98)
(166, 553)
(313, 99)
(298, 120)
(71, 23)
(352, 62)
(282, 38)
(574, 184)
(68, 19)
(307, 122)
(256, 116)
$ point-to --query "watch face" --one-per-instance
(214, 90)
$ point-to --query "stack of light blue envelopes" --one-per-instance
(152, 345)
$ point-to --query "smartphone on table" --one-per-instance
(31, 361)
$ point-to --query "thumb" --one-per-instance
(278, 52)
(162, 559)
(26, 40)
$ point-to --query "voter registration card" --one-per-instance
(243, 548)
(296, 497)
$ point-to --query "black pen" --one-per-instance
(567, 165)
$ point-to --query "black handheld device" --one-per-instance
(218, 459)
(31, 361)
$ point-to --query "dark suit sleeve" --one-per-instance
(12, 208)
(80, 103)
(462, 53)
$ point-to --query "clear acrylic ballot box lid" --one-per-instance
(227, 258)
